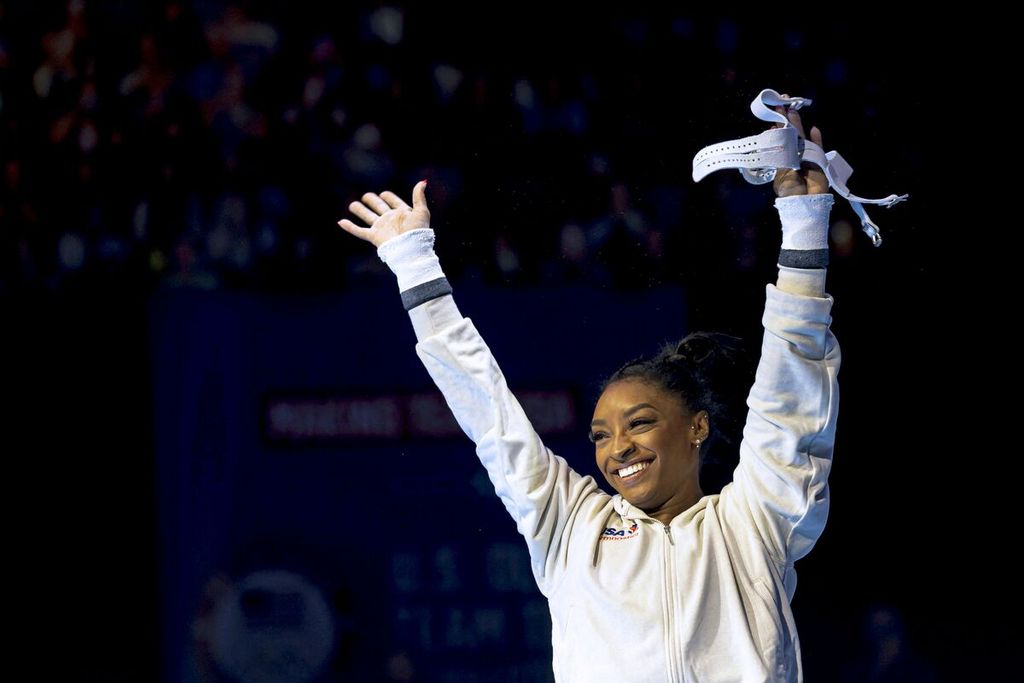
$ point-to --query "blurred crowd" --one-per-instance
(215, 144)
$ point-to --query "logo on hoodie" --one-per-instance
(613, 534)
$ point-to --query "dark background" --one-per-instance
(200, 153)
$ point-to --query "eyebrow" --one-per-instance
(629, 412)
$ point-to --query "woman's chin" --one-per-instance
(640, 499)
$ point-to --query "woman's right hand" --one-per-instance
(388, 215)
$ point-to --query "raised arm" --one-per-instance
(780, 487)
(538, 488)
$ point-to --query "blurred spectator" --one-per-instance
(626, 245)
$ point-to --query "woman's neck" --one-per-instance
(677, 504)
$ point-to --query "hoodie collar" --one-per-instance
(630, 511)
(627, 509)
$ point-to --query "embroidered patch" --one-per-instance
(613, 534)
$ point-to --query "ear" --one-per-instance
(700, 427)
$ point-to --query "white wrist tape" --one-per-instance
(804, 220)
(411, 257)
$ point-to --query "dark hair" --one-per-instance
(709, 371)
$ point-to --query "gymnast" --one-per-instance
(660, 581)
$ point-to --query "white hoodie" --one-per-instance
(706, 597)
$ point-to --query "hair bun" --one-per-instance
(696, 347)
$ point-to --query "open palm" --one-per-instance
(388, 215)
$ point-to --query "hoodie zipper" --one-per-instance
(673, 665)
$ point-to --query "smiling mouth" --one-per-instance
(634, 473)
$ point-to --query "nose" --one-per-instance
(622, 447)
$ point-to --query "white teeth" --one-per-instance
(633, 469)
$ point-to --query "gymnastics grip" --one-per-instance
(758, 156)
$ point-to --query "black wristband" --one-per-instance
(432, 289)
(803, 258)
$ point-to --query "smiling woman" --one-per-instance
(681, 410)
(710, 575)
(646, 444)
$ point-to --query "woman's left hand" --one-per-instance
(809, 178)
